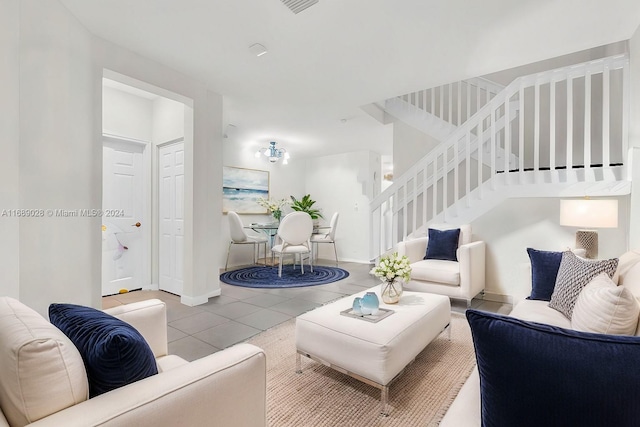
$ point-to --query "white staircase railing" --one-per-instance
(416, 110)
(570, 125)
(440, 110)
(454, 102)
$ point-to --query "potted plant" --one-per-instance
(306, 205)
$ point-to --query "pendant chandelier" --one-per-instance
(274, 154)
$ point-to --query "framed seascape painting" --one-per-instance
(241, 189)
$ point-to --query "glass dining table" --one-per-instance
(271, 229)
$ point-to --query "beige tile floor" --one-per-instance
(240, 313)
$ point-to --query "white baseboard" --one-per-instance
(151, 287)
(490, 296)
(193, 301)
(215, 293)
(357, 261)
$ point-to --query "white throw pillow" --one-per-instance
(604, 308)
(42, 371)
(626, 262)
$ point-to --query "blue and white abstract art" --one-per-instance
(241, 188)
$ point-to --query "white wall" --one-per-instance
(167, 120)
(9, 143)
(59, 159)
(203, 157)
(507, 76)
(53, 153)
(126, 115)
(513, 226)
(634, 134)
(343, 183)
(409, 146)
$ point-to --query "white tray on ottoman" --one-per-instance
(374, 353)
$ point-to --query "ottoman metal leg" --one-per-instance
(384, 400)
(298, 363)
(447, 329)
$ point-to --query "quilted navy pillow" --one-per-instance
(113, 351)
(544, 270)
(443, 244)
(540, 375)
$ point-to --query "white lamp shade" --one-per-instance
(588, 213)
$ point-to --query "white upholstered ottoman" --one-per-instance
(375, 353)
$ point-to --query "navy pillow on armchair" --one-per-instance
(443, 244)
(535, 375)
(113, 351)
(544, 270)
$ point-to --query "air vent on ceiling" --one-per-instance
(298, 6)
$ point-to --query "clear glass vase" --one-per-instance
(391, 291)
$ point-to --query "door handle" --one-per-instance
(137, 224)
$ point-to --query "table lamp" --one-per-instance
(589, 214)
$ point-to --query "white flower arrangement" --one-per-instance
(272, 205)
(392, 267)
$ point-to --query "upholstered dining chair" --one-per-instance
(294, 235)
(329, 237)
(240, 237)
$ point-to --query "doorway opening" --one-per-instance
(140, 125)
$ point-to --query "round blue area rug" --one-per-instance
(267, 277)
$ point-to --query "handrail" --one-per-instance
(434, 185)
(446, 101)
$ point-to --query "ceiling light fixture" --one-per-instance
(273, 153)
(257, 49)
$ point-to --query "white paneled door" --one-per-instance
(171, 201)
(123, 230)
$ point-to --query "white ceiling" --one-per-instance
(327, 61)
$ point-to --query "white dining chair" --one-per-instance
(240, 237)
(329, 237)
(294, 236)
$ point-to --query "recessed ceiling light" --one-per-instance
(257, 49)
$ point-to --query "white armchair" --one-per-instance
(463, 279)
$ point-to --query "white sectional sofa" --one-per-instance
(465, 411)
(43, 382)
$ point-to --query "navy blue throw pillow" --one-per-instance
(544, 270)
(113, 351)
(535, 375)
(443, 244)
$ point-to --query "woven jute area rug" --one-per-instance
(321, 396)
